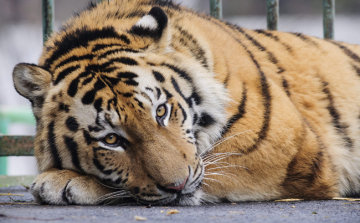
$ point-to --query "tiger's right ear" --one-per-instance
(155, 25)
(32, 82)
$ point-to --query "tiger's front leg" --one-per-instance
(64, 187)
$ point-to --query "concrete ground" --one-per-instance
(21, 209)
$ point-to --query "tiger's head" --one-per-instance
(113, 99)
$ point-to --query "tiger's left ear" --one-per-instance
(154, 25)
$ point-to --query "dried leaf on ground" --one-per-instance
(139, 218)
(290, 199)
(10, 194)
(172, 211)
(346, 199)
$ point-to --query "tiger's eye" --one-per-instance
(111, 139)
(160, 111)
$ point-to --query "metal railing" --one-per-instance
(22, 145)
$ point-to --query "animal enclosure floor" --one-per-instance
(17, 208)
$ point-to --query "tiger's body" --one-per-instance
(152, 101)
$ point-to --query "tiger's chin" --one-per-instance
(188, 199)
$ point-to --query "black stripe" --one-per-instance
(147, 97)
(158, 76)
(125, 60)
(295, 179)
(53, 148)
(206, 120)
(357, 69)
(276, 38)
(64, 73)
(271, 56)
(347, 51)
(139, 103)
(90, 95)
(80, 38)
(158, 92)
(63, 191)
(226, 81)
(267, 33)
(75, 58)
(88, 138)
(98, 47)
(116, 51)
(98, 105)
(127, 95)
(131, 83)
(97, 163)
(184, 114)
(74, 85)
(181, 73)
(241, 112)
(73, 149)
(168, 94)
(129, 75)
(64, 107)
(340, 127)
(192, 44)
(177, 89)
(305, 38)
(264, 88)
(72, 124)
(111, 81)
(285, 85)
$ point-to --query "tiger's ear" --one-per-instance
(154, 25)
(32, 82)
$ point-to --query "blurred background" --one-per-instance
(21, 41)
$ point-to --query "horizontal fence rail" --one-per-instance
(16, 145)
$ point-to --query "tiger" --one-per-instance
(150, 102)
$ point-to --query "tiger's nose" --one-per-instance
(179, 187)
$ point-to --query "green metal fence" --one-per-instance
(23, 145)
(14, 145)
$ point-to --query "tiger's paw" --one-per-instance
(65, 187)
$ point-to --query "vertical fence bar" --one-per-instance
(328, 18)
(272, 14)
(216, 8)
(48, 18)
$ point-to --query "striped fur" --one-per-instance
(248, 114)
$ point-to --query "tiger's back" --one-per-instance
(269, 114)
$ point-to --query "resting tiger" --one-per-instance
(139, 100)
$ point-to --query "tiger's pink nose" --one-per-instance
(178, 188)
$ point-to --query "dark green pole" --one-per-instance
(328, 18)
(48, 18)
(216, 8)
(272, 14)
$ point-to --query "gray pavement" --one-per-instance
(20, 209)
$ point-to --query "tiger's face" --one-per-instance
(126, 110)
(130, 128)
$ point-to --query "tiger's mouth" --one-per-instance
(178, 199)
(189, 195)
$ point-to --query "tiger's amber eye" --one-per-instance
(111, 139)
(160, 111)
